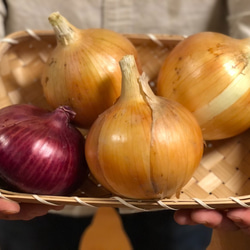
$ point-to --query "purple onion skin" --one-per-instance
(41, 152)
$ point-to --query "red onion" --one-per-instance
(40, 151)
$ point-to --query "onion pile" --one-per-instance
(209, 73)
(138, 145)
(83, 70)
(40, 151)
(144, 146)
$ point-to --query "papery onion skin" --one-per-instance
(83, 70)
(143, 149)
(209, 74)
(40, 151)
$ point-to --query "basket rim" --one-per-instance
(119, 202)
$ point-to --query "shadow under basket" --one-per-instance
(222, 179)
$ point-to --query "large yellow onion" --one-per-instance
(144, 146)
(83, 70)
(209, 73)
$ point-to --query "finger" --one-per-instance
(183, 217)
(29, 211)
(205, 216)
(239, 214)
(214, 219)
(241, 217)
(9, 207)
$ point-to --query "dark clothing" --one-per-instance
(147, 231)
(159, 231)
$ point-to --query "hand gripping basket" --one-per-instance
(221, 181)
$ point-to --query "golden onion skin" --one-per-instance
(83, 70)
(209, 73)
(143, 147)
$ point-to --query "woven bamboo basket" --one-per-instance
(222, 179)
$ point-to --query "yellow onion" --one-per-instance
(83, 70)
(144, 146)
(209, 73)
